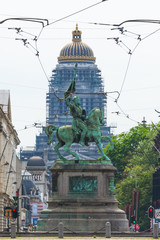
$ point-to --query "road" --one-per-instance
(79, 238)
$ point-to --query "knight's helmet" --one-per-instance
(75, 98)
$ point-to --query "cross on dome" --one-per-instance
(76, 35)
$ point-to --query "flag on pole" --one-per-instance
(72, 86)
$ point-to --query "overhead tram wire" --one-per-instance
(153, 21)
(130, 52)
(115, 25)
(138, 20)
(27, 44)
(140, 39)
(58, 20)
(126, 115)
(35, 124)
(92, 93)
(36, 39)
(72, 14)
(124, 77)
(46, 23)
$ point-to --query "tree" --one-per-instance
(126, 186)
(125, 147)
(134, 155)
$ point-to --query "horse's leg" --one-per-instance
(67, 149)
(50, 138)
(98, 142)
(56, 148)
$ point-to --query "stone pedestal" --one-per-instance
(83, 199)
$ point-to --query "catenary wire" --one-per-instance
(124, 77)
(72, 14)
(128, 64)
(132, 52)
(39, 20)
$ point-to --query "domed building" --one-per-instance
(89, 88)
(38, 169)
(76, 51)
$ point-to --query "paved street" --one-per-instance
(75, 238)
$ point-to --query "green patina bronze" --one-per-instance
(79, 116)
(83, 129)
(83, 184)
(111, 186)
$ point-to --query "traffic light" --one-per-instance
(151, 212)
(133, 219)
(14, 213)
(15, 201)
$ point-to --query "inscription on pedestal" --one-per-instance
(83, 184)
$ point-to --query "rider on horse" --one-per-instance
(79, 117)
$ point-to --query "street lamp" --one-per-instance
(132, 175)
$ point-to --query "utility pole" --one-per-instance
(17, 195)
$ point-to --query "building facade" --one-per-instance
(9, 176)
(38, 169)
(32, 203)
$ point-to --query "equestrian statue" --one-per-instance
(83, 130)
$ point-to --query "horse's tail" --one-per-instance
(49, 129)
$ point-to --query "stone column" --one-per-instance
(155, 230)
(1, 213)
(13, 230)
(108, 230)
(60, 230)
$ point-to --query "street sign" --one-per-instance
(135, 227)
(157, 220)
(8, 212)
(157, 213)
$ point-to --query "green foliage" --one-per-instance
(135, 160)
(124, 190)
(125, 147)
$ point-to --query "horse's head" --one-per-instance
(96, 116)
(101, 116)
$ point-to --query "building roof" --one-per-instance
(28, 187)
(76, 51)
(36, 161)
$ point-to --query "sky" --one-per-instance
(127, 55)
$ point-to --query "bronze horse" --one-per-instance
(66, 135)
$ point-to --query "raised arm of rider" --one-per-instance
(68, 99)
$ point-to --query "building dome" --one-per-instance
(35, 161)
(76, 51)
